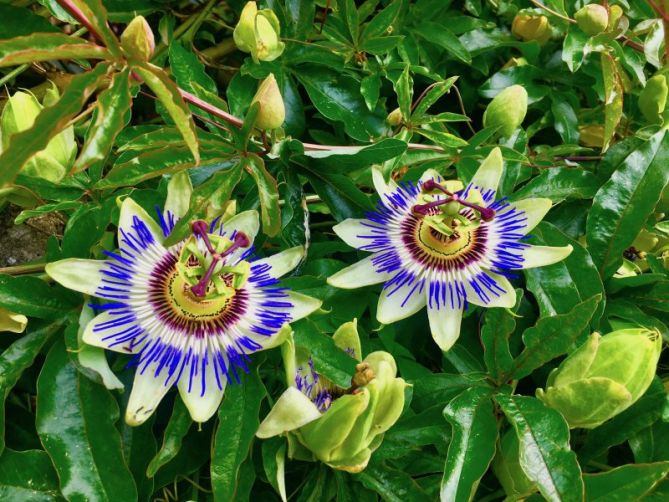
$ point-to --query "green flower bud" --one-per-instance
(528, 28)
(507, 110)
(603, 377)
(257, 32)
(615, 15)
(341, 427)
(14, 323)
(506, 466)
(394, 118)
(138, 40)
(272, 110)
(591, 135)
(653, 98)
(592, 19)
(18, 115)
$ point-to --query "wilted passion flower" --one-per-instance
(191, 313)
(444, 245)
(338, 426)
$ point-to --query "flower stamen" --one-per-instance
(486, 213)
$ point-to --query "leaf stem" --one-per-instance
(23, 269)
(551, 11)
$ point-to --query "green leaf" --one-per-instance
(349, 14)
(438, 34)
(573, 49)
(169, 95)
(628, 482)
(497, 328)
(238, 422)
(553, 336)
(404, 91)
(545, 455)
(558, 288)
(392, 484)
(274, 460)
(433, 95)
(216, 189)
(349, 158)
(613, 97)
(76, 424)
(655, 296)
(46, 46)
(444, 139)
(268, 193)
(472, 446)
(338, 98)
(18, 21)
(50, 122)
(111, 116)
(175, 432)
(559, 184)
(33, 297)
(27, 476)
(96, 15)
(19, 356)
(329, 360)
(566, 121)
(383, 22)
(624, 202)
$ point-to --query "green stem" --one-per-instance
(220, 50)
(30, 268)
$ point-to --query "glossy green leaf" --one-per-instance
(349, 14)
(566, 121)
(559, 184)
(442, 138)
(17, 21)
(553, 336)
(110, 118)
(46, 46)
(472, 446)
(274, 460)
(545, 454)
(347, 159)
(329, 360)
(623, 203)
(560, 287)
(404, 91)
(179, 424)
(238, 422)
(169, 95)
(392, 484)
(629, 482)
(440, 35)
(268, 193)
(497, 328)
(27, 476)
(76, 423)
(613, 97)
(433, 95)
(31, 296)
(19, 356)
(655, 296)
(51, 121)
(573, 48)
(382, 22)
(96, 15)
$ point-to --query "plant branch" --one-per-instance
(551, 11)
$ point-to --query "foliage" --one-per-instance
(401, 85)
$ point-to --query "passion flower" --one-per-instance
(443, 244)
(190, 313)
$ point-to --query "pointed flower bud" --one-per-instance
(18, 115)
(272, 110)
(507, 110)
(258, 32)
(615, 15)
(653, 98)
(528, 28)
(138, 39)
(506, 466)
(603, 377)
(592, 19)
(394, 118)
(341, 427)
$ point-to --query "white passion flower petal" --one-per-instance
(380, 185)
(85, 276)
(445, 323)
(246, 221)
(400, 300)
(147, 392)
(202, 395)
(282, 263)
(104, 329)
(490, 290)
(533, 210)
(302, 305)
(362, 273)
(136, 228)
(489, 172)
(541, 256)
(353, 231)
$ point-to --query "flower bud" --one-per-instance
(591, 135)
(341, 427)
(603, 377)
(394, 118)
(18, 115)
(257, 32)
(592, 19)
(272, 111)
(653, 98)
(615, 15)
(528, 28)
(507, 110)
(14, 323)
(138, 40)
(506, 466)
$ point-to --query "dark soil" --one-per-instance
(26, 242)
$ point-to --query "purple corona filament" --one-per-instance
(200, 229)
